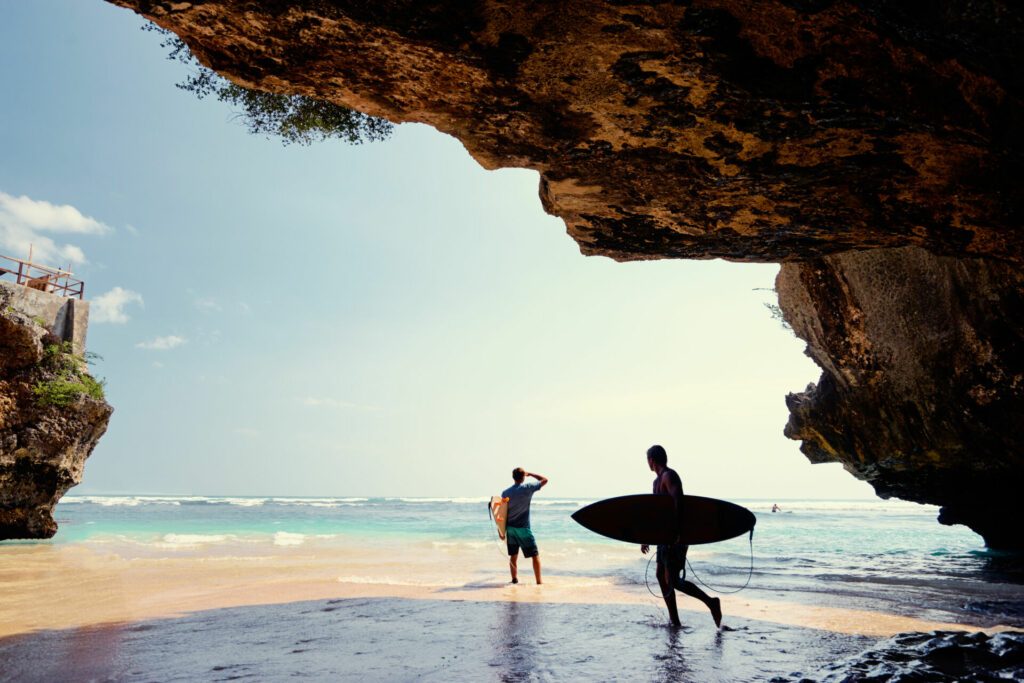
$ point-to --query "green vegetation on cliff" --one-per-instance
(68, 379)
(293, 118)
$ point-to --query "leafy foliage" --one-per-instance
(778, 316)
(71, 379)
(774, 309)
(293, 118)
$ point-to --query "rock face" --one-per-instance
(845, 139)
(754, 131)
(922, 392)
(42, 447)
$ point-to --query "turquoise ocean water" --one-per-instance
(887, 555)
(871, 557)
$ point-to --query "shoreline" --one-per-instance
(72, 587)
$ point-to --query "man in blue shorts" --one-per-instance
(517, 528)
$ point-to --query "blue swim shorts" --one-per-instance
(518, 537)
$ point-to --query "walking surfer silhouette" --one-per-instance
(672, 557)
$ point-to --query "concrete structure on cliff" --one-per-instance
(49, 295)
(47, 427)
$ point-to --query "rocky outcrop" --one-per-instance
(922, 390)
(47, 427)
(936, 657)
(789, 131)
(753, 131)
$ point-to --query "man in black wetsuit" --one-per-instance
(672, 558)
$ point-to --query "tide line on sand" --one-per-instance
(69, 587)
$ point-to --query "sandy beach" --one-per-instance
(78, 613)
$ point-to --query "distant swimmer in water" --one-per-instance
(672, 558)
(775, 507)
(517, 529)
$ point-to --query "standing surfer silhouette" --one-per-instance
(517, 529)
(672, 558)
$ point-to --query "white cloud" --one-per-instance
(23, 222)
(42, 215)
(110, 307)
(162, 343)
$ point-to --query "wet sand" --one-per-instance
(392, 639)
(78, 613)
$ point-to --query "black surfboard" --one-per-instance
(651, 519)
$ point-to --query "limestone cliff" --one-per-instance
(49, 424)
(922, 390)
(796, 131)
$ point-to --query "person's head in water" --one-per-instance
(656, 457)
(518, 474)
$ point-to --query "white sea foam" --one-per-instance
(320, 502)
(194, 539)
(242, 502)
(110, 501)
(286, 538)
(480, 499)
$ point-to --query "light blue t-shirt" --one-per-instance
(519, 496)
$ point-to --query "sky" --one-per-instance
(387, 319)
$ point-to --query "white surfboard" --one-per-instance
(499, 513)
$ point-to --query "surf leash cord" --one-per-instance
(691, 570)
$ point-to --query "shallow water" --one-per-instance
(856, 560)
(888, 556)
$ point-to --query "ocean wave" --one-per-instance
(184, 540)
(476, 499)
(321, 502)
(238, 501)
(242, 502)
(129, 501)
(285, 538)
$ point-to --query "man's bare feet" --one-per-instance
(716, 611)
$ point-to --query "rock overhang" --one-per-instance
(837, 138)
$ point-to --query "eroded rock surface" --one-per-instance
(751, 131)
(922, 390)
(42, 448)
(770, 131)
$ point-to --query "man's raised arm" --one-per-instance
(542, 479)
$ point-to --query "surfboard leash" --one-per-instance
(648, 571)
(719, 590)
(691, 570)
